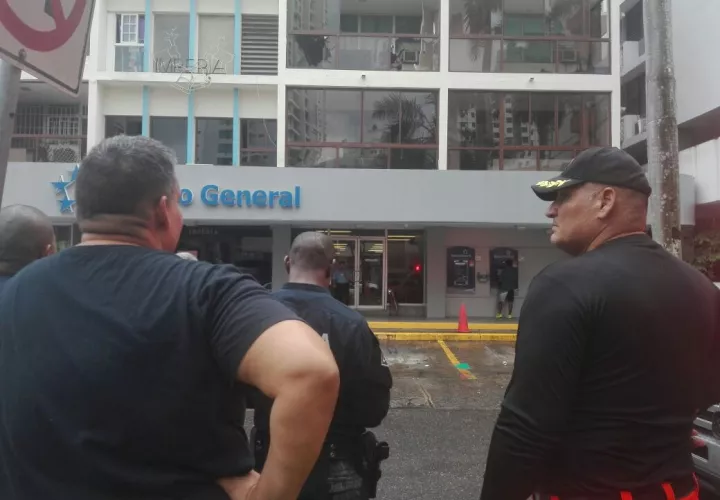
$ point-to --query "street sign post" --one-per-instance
(46, 38)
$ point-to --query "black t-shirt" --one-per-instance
(616, 351)
(509, 278)
(118, 375)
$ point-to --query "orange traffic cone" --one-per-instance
(463, 320)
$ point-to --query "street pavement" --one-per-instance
(445, 400)
(444, 404)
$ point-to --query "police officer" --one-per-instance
(348, 467)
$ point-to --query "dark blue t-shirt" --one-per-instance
(3, 280)
(118, 375)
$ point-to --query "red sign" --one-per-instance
(43, 41)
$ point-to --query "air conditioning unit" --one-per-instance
(410, 57)
(568, 56)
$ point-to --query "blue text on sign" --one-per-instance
(212, 196)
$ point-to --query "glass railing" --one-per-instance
(403, 158)
(364, 52)
(527, 55)
(129, 58)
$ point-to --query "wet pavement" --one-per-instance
(444, 404)
(445, 400)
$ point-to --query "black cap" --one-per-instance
(606, 165)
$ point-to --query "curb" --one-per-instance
(447, 336)
(418, 326)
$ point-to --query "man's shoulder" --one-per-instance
(565, 270)
(329, 304)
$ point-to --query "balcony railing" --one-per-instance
(50, 149)
(361, 51)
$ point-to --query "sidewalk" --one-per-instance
(481, 329)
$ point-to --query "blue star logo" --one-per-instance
(61, 186)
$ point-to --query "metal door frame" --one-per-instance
(357, 272)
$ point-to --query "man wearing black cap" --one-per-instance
(617, 350)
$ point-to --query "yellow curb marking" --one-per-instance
(449, 337)
(418, 325)
(463, 368)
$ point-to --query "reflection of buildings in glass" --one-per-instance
(214, 141)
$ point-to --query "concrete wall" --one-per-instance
(535, 253)
(695, 34)
(703, 163)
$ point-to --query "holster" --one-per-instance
(366, 452)
(374, 452)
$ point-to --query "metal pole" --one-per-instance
(9, 92)
(663, 168)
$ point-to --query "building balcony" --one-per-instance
(364, 52)
(633, 55)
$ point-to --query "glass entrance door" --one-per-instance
(371, 273)
(359, 276)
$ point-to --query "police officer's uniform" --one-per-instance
(344, 469)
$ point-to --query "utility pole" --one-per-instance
(9, 92)
(663, 168)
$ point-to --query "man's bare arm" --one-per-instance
(291, 364)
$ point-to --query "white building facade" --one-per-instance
(345, 116)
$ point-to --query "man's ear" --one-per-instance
(161, 212)
(607, 199)
(49, 250)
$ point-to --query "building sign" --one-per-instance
(213, 195)
(460, 269)
(62, 191)
(210, 195)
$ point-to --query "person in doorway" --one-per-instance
(341, 283)
(125, 386)
(507, 284)
(617, 350)
(348, 467)
(26, 235)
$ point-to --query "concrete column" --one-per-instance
(435, 272)
(95, 117)
(442, 127)
(282, 238)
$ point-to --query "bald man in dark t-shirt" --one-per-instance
(26, 234)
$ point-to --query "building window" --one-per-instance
(247, 248)
(258, 142)
(122, 125)
(406, 266)
(373, 35)
(523, 130)
(362, 128)
(213, 141)
(216, 45)
(172, 132)
(129, 42)
(530, 36)
(171, 43)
